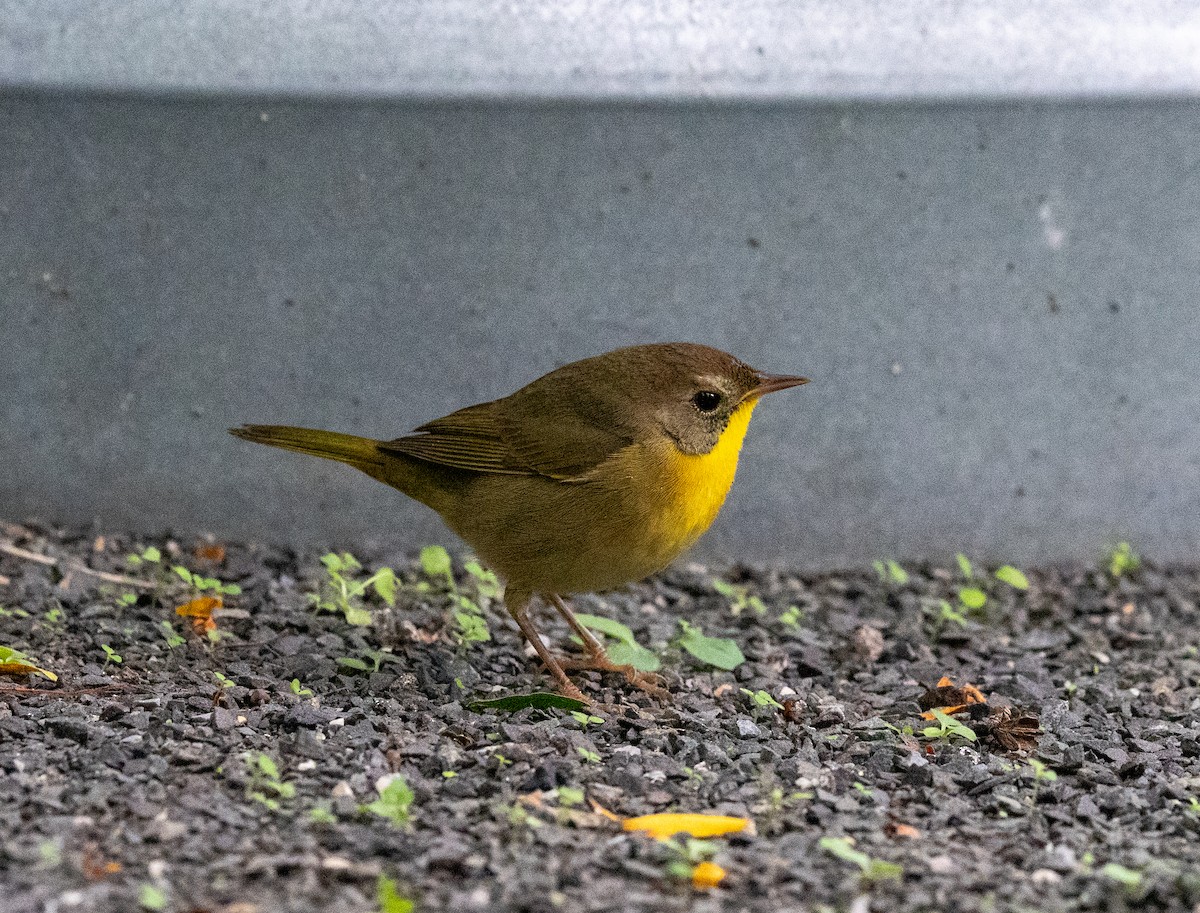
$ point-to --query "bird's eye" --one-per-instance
(707, 400)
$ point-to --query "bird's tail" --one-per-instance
(359, 452)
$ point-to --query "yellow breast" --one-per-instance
(697, 484)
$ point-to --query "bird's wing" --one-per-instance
(559, 437)
(466, 439)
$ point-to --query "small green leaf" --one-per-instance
(351, 662)
(393, 803)
(872, 869)
(151, 897)
(947, 727)
(384, 582)
(538, 700)
(964, 565)
(720, 652)
(320, 814)
(762, 698)
(724, 587)
(357, 615)
(435, 562)
(634, 655)
(389, 898)
(627, 651)
(568, 796)
(1131, 878)
(972, 597)
(1013, 577)
(890, 570)
(613, 629)
(182, 573)
(590, 756)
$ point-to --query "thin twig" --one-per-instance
(10, 549)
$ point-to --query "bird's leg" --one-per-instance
(590, 643)
(517, 602)
(646, 681)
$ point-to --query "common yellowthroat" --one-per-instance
(594, 475)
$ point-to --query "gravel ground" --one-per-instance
(138, 784)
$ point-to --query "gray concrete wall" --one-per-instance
(996, 300)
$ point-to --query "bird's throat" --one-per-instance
(701, 481)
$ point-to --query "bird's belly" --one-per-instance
(650, 504)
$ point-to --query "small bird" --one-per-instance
(592, 476)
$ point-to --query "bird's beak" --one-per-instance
(769, 383)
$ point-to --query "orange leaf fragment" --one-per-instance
(667, 824)
(707, 875)
(949, 698)
(904, 830)
(210, 551)
(200, 611)
(603, 812)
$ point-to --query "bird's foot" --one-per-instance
(652, 684)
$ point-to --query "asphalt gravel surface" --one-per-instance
(238, 764)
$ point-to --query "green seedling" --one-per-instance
(394, 802)
(625, 651)
(299, 690)
(14, 662)
(263, 782)
(170, 635)
(449, 774)
(467, 608)
(761, 699)
(127, 599)
(389, 898)
(941, 614)
(12, 613)
(1123, 560)
(891, 572)
(1130, 878)
(964, 566)
(376, 657)
(586, 719)
(111, 655)
(739, 597)
(223, 680)
(54, 614)
(947, 726)
(872, 869)
(720, 652)
(687, 854)
(569, 796)
(341, 590)
(589, 756)
(791, 618)
(202, 584)
(322, 814)
(1042, 773)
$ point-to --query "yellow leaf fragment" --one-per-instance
(668, 824)
(19, 668)
(707, 875)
